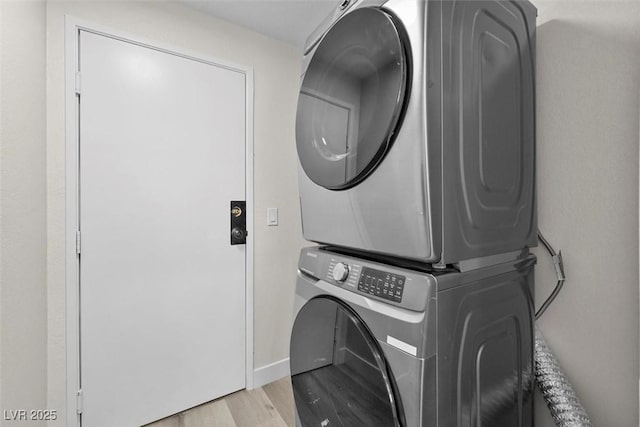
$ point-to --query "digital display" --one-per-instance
(381, 284)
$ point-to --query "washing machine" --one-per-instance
(415, 129)
(375, 345)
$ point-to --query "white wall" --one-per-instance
(588, 81)
(23, 306)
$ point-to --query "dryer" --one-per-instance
(375, 345)
(415, 129)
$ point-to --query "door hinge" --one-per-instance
(79, 401)
(78, 242)
(78, 83)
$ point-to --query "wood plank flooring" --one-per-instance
(269, 406)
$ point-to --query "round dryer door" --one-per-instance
(351, 99)
(338, 371)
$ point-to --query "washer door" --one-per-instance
(351, 98)
(339, 375)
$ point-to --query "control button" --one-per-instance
(340, 272)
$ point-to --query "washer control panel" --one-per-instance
(381, 284)
(390, 284)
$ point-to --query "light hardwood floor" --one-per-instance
(268, 406)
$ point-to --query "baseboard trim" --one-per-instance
(269, 373)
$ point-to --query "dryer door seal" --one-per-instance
(352, 98)
(339, 374)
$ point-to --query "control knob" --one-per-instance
(340, 272)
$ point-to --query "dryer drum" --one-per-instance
(338, 370)
(351, 98)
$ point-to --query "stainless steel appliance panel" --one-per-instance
(455, 180)
(489, 128)
(461, 357)
(485, 344)
(389, 211)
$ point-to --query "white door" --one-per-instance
(162, 291)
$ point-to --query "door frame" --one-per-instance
(72, 266)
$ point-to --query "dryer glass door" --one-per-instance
(351, 98)
(338, 371)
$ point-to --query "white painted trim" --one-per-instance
(1, 188)
(250, 223)
(270, 373)
(71, 222)
(72, 28)
(92, 27)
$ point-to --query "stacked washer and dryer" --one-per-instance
(415, 134)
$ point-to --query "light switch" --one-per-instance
(272, 216)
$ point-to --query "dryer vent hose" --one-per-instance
(562, 401)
